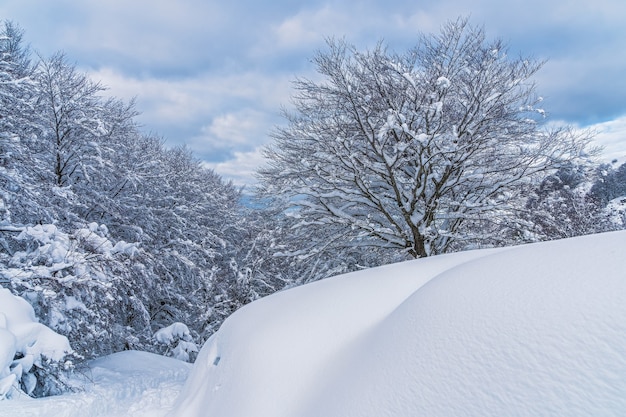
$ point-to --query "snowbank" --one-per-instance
(24, 343)
(531, 330)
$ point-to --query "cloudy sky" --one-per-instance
(214, 74)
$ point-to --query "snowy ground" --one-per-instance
(125, 384)
(534, 330)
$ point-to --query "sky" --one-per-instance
(214, 76)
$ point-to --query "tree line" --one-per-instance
(112, 236)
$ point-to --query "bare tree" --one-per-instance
(412, 152)
(70, 109)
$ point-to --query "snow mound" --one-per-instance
(24, 343)
(530, 330)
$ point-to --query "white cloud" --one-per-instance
(307, 27)
(419, 21)
(241, 168)
(160, 100)
(612, 136)
(232, 133)
(233, 128)
(203, 91)
(149, 33)
(232, 111)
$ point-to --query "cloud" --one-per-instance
(165, 101)
(241, 168)
(612, 136)
(208, 112)
(309, 27)
(141, 35)
(166, 39)
(214, 75)
(232, 134)
(233, 128)
(583, 91)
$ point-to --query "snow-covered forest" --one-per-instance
(111, 241)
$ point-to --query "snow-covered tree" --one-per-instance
(18, 96)
(71, 159)
(609, 193)
(16, 85)
(71, 124)
(282, 254)
(415, 152)
(611, 184)
(560, 206)
(81, 285)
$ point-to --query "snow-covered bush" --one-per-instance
(79, 285)
(615, 211)
(178, 341)
(561, 207)
(33, 358)
(609, 191)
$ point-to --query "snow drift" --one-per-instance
(24, 344)
(530, 330)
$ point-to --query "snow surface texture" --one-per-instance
(21, 334)
(125, 384)
(534, 330)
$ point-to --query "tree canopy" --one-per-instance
(423, 152)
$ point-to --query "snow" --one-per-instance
(22, 335)
(177, 334)
(443, 83)
(172, 332)
(130, 383)
(529, 330)
(616, 210)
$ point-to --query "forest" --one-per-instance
(119, 242)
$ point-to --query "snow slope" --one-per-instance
(531, 330)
